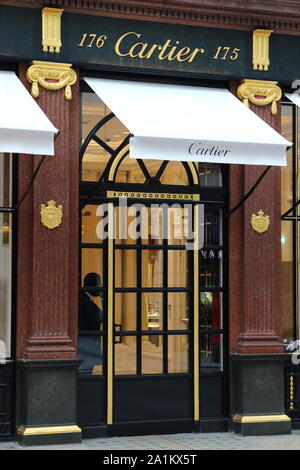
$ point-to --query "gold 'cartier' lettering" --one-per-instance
(143, 50)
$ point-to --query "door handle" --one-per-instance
(117, 325)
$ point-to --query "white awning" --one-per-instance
(24, 128)
(189, 123)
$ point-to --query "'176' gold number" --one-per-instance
(90, 40)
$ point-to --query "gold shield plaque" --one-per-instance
(260, 222)
(51, 216)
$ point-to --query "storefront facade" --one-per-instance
(134, 299)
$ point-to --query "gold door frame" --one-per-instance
(110, 293)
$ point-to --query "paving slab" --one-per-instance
(180, 442)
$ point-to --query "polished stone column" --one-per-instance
(47, 272)
(256, 359)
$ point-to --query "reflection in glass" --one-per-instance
(211, 310)
(211, 358)
(152, 354)
(178, 311)
(125, 355)
(125, 311)
(211, 268)
(5, 285)
(178, 353)
(212, 226)
(90, 353)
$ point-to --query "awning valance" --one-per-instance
(24, 128)
(189, 123)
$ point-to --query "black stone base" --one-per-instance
(46, 402)
(257, 394)
(38, 436)
(261, 429)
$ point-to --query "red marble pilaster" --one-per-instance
(48, 259)
(254, 258)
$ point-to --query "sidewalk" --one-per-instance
(183, 442)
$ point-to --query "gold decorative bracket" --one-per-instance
(260, 59)
(260, 93)
(51, 76)
(51, 29)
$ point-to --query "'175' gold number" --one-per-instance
(226, 52)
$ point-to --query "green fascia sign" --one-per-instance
(103, 43)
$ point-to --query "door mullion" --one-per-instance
(110, 313)
(196, 315)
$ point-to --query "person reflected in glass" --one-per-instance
(90, 319)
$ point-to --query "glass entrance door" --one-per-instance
(152, 302)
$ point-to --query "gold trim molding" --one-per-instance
(51, 29)
(37, 431)
(52, 76)
(259, 93)
(261, 418)
(153, 196)
(260, 40)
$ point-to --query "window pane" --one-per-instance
(112, 134)
(211, 358)
(125, 311)
(93, 224)
(211, 310)
(152, 354)
(125, 268)
(125, 356)
(5, 285)
(130, 171)
(91, 262)
(210, 175)
(178, 353)
(212, 226)
(90, 315)
(153, 219)
(180, 223)
(152, 311)
(152, 268)
(90, 351)
(287, 279)
(178, 311)
(5, 180)
(177, 268)
(211, 268)
(174, 173)
(287, 303)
